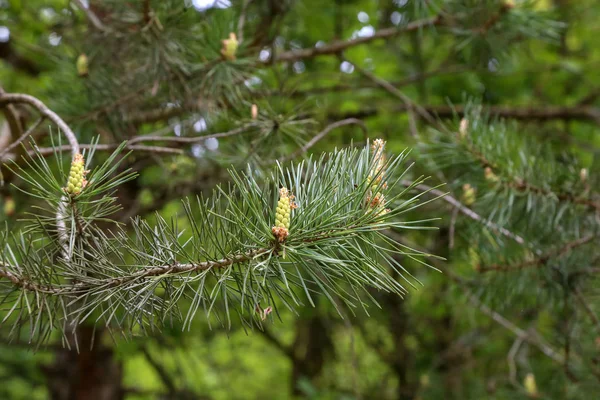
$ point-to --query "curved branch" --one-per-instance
(468, 212)
(18, 98)
(339, 46)
(323, 133)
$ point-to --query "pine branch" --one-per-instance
(531, 113)
(256, 252)
(466, 211)
(48, 151)
(504, 322)
(543, 259)
(523, 186)
(315, 139)
(340, 46)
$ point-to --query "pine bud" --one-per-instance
(463, 129)
(490, 176)
(254, 111)
(9, 206)
(229, 47)
(530, 385)
(283, 215)
(583, 175)
(469, 194)
(77, 181)
(82, 65)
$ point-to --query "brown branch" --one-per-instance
(344, 87)
(587, 308)
(193, 139)
(93, 18)
(562, 196)
(522, 186)
(543, 259)
(542, 113)
(339, 46)
(147, 138)
(160, 370)
(323, 133)
(467, 211)
(520, 333)
(12, 117)
(46, 151)
(285, 349)
(82, 287)
(17, 98)
(409, 104)
(504, 8)
(21, 138)
(146, 11)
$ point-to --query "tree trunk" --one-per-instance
(92, 373)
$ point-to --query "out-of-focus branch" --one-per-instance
(191, 139)
(18, 98)
(587, 308)
(543, 259)
(468, 212)
(131, 144)
(242, 20)
(528, 337)
(91, 16)
(46, 151)
(323, 133)
(532, 113)
(345, 87)
(339, 46)
(21, 138)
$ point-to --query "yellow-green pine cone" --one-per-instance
(82, 65)
(283, 212)
(76, 176)
(229, 47)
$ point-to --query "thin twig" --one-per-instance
(160, 370)
(91, 16)
(452, 230)
(21, 138)
(46, 151)
(194, 139)
(242, 20)
(587, 308)
(467, 211)
(410, 105)
(512, 368)
(339, 46)
(16, 98)
(323, 133)
(530, 113)
(541, 260)
(12, 117)
(520, 333)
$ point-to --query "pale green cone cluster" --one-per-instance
(283, 214)
(376, 200)
(77, 180)
(229, 47)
